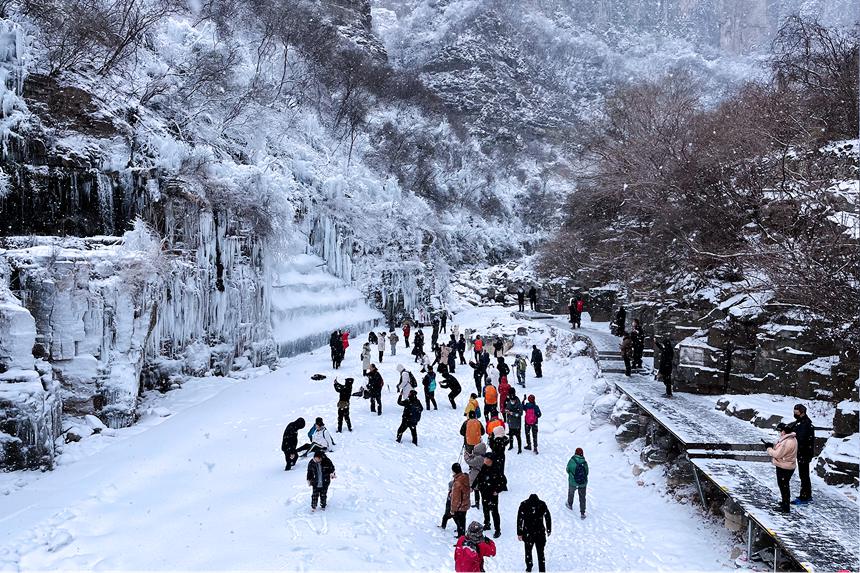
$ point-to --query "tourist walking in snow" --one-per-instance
(521, 299)
(365, 358)
(784, 457)
(490, 482)
(443, 323)
(320, 474)
(478, 346)
(335, 343)
(444, 353)
(461, 498)
(461, 349)
(452, 356)
(471, 549)
(406, 331)
(537, 361)
(491, 399)
(474, 458)
(344, 392)
(418, 345)
(453, 386)
(492, 375)
(533, 298)
(580, 308)
(521, 365)
(804, 430)
(320, 439)
(412, 409)
(577, 480)
(666, 354)
(637, 337)
(534, 525)
(498, 348)
(434, 336)
(382, 341)
(406, 382)
(504, 390)
(514, 417)
(626, 347)
(498, 444)
(472, 406)
(448, 515)
(344, 339)
(374, 389)
(429, 383)
(392, 341)
(531, 412)
(471, 430)
(290, 441)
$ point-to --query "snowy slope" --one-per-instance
(205, 487)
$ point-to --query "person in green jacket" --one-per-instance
(577, 480)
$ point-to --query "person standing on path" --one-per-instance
(429, 383)
(491, 400)
(447, 515)
(461, 498)
(534, 525)
(577, 480)
(504, 390)
(478, 346)
(407, 329)
(412, 409)
(620, 321)
(491, 483)
(626, 347)
(667, 357)
(406, 382)
(514, 417)
(443, 323)
(418, 345)
(374, 389)
(382, 341)
(521, 366)
(320, 474)
(434, 333)
(580, 308)
(521, 299)
(804, 429)
(638, 339)
(537, 361)
(344, 339)
(531, 412)
(335, 343)
(461, 349)
(365, 358)
(784, 457)
(453, 386)
(344, 392)
(471, 549)
(290, 442)
(533, 298)
(498, 445)
(392, 341)
(475, 460)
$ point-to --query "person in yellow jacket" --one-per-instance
(784, 457)
(472, 405)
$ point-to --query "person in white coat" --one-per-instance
(493, 375)
(404, 385)
(382, 341)
(321, 440)
(365, 358)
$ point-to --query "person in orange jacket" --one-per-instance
(491, 400)
(471, 430)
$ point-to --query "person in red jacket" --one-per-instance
(345, 339)
(470, 550)
(406, 330)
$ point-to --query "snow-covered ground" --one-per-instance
(205, 488)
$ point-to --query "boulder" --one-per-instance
(846, 418)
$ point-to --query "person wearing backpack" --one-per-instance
(429, 383)
(412, 409)
(374, 389)
(521, 366)
(290, 441)
(531, 413)
(472, 406)
(514, 417)
(392, 342)
(320, 439)
(537, 361)
(453, 386)
(577, 480)
(471, 549)
(490, 482)
(407, 382)
(534, 525)
(471, 430)
(344, 392)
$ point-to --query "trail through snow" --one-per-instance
(206, 487)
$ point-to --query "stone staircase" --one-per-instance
(308, 303)
(611, 363)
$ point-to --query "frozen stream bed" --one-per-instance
(205, 487)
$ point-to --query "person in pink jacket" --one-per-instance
(784, 457)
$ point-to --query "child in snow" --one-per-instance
(472, 548)
(320, 474)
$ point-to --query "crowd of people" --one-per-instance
(496, 416)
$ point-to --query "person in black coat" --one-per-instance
(290, 442)
(320, 474)
(537, 361)
(374, 389)
(534, 525)
(532, 298)
(805, 432)
(638, 338)
(412, 409)
(521, 299)
(461, 349)
(667, 356)
(344, 392)
(620, 321)
(335, 343)
(452, 385)
(490, 482)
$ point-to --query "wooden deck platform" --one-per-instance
(822, 536)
